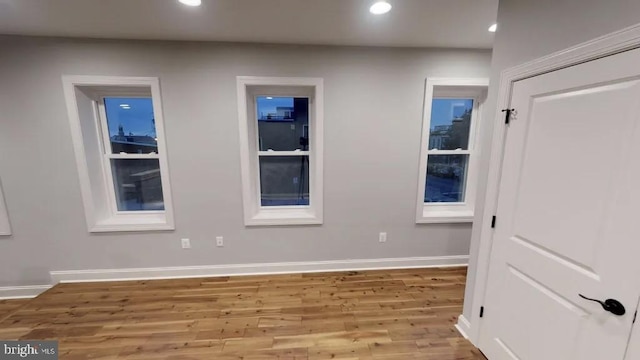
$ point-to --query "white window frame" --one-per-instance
(436, 88)
(92, 145)
(5, 226)
(249, 87)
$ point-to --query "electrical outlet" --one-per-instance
(382, 237)
(219, 241)
(186, 243)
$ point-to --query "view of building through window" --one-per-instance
(449, 131)
(446, 176)
(135, 166)
(283, 150)
(132, 126)
(450, 123)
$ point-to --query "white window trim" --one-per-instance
(5, 226)
(473, 88)
(254, 213)
(113, 220)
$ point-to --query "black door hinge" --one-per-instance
(635, 316)
(481, 311)
(507, 117)
(493, 221)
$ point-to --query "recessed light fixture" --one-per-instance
(493, 28)
(191, 2)
(379, 8)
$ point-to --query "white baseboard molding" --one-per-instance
(255, 269)
(22, 292)
(463, 326)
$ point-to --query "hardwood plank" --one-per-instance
(356, 315)
(7, 307)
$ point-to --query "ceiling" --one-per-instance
(414, 23)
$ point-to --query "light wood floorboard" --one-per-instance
(7, 307)
(372, 315)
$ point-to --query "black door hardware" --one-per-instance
(507, 116)
(611, 305)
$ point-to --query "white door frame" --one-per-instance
(610, 44)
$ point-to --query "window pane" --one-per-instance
(284, 180)
(132, 125)
(137, 183)
(283, 123)
(446, 177)
(450, 123)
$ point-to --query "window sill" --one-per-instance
(290, 216)
(436, 216)
(134, 222)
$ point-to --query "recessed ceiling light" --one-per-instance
(381, 7)
(191, 2)
(493, 28)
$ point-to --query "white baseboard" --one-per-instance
(21, 292)
(255, 269)
(463, 326)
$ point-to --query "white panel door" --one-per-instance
(568, 216)
(633, 349)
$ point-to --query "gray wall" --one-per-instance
(373, 114)
(529, 30)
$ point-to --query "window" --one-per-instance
(118, 136)
(5, 227)
(446, 190)
(133, 165)
(281, 150)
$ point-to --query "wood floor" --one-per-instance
(7, 307)
(375, 315)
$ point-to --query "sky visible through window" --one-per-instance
(134, 114)
(268, 105)
(445, 110)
